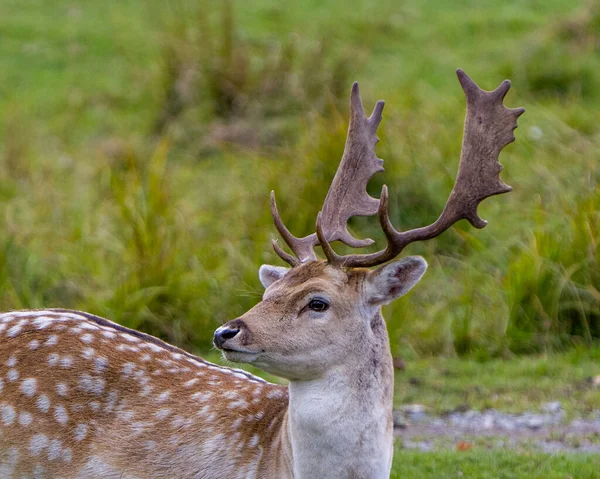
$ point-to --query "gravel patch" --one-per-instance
(548, 430)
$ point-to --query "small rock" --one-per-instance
(488, 422)
(552, 407)
(412, 409)
(533, 422)
(399, 420)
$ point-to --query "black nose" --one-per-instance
(223, 334)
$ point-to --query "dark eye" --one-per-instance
(318, 305)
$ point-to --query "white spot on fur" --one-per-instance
(8, 414)
(86, 338)
(12, 375)
(16, 329)
(62, 389)
(275, 394)
(100, 364)
(66, 362)
(254, 440)
(88, 353)
(25, 418)
(128, 369)
(130, 338)
(81, 432)
(51, 341)
(146, 390)
(39, 472)
(162, 397)
(108, 334)
(150, 445)
(33, 344)
(88, 326)
(60, 414)
(67, 455)
(239, 404)
(111, 402)
(43, 322)
(37, 444)
(236, 424)
(202, 396)
(162, 413)
(54, 449)
(153, 347)
(126, 415)
(190, 383)
(43, 403)
(7, 468)
(12, 362)
(90, 384)
(29, 386)
(53, 359)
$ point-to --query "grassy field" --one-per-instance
(139, 141)
(482, 464)
(445, 385)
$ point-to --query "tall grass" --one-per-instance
(242, 91)
(161, 221)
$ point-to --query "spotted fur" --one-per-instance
(83, 397)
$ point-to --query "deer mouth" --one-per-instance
(239, 355)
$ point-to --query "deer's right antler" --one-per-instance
(489, 127)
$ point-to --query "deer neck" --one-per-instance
(340, 425)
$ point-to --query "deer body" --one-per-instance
(82, 397)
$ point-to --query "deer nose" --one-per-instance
(224, 333)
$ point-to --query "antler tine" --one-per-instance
(489, 127)
(302, 247)
(330, 254)
(288, 258)
(347, 195)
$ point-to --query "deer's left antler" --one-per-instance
(347, 195)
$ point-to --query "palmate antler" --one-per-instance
(488, 128)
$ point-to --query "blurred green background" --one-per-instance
(139, 141)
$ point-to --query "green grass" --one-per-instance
(484, 464)
(509, 385)
(101, 214)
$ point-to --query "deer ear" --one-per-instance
(393, 280)
(269, 274)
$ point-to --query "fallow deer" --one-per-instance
(82, 397)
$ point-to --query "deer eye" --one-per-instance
(318, 305)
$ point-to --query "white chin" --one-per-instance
(239, 356)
